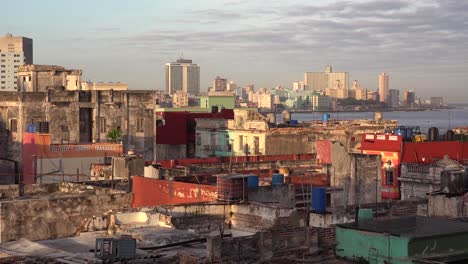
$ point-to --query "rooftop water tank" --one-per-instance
(253, 181)
(319, 200)
(325, 117)
(286, 115)
(277, 179)
(271, 118)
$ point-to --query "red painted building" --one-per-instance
(395, 151)
(175, 132)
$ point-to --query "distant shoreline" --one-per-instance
(363, 111)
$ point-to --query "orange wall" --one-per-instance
(153, 192)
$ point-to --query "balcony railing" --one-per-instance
(85, 147)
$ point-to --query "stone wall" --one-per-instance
(56, 216)
(282, 195)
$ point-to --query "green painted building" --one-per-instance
(220, 99)
(404, 240)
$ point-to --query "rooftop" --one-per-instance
(411, 227)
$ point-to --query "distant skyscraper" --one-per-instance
(409, 97)
(231, 86)
(182, 75)
(321, 81)
(14, 52)
(219, 84)
(383, 87)
(393, 98)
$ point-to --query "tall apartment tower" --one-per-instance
(220, 84)
(383, 87)
(183, 75)
(321, 81)
(14, 52)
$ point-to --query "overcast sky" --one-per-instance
(422, 44)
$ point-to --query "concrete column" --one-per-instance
(214, 247)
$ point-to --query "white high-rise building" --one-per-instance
(327, 80)
(383, 87)
(183, 75)
(14, 52)
(231, 86)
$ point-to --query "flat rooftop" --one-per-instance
(412, 227)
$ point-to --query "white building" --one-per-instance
(183, 75)
(299, 86)
(232, 86)
(320, 102)
(328, 80)
(263, 98)
(14, 52)
(180, 99)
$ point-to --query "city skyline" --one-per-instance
(249, 42)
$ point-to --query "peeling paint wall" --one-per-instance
(153, 192)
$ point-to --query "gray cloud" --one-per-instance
(387, 34)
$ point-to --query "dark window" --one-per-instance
(102, 125)
(140, 125)
(389, 177)
(13, 125)
(198, 139)
(42, 127)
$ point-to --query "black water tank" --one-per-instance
(450, 135)
(433, 134)
(214, 109)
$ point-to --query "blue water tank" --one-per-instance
(409, 133)
(252, 181)
(325, 117)
(319, 200)
(31, 128)
(277, 179)
(293, 122)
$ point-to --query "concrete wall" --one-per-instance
(153, 192)
(358, 174)
(282, 195)
(52, 170)
(55, 216)
(443, 206)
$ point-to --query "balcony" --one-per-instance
(80, 150)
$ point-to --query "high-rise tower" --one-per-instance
(383, 87)
(14, 52)
(183, 75)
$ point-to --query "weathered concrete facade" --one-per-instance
(56, 215)
(78, 117)
(39, 78)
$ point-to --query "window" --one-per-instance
(227, 141)
(140, 125)
(102, 125)
(16, 66)
(14, 125)
(2, 82)
(3, 66)
(389, 177)
(3, 60)
(198, 139)
(256, 145)
(241, 143)
(42, 127)
(3, 55)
